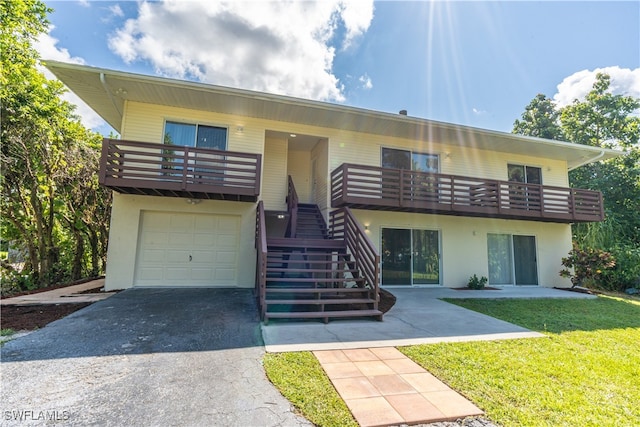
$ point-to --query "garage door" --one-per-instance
(176, 249)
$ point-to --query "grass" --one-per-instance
(300, 378)
(585, 372)
(6, 332)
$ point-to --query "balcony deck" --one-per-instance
(166, 170)
(376, 188)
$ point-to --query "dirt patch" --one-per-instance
(486, 288)
(30, 317)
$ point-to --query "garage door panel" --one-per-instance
(177, 249)
(225, 275)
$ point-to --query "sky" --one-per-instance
(475, 63)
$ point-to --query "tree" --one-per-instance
(44, 151)
(603, 120)
(540, 119)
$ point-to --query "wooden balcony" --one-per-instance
(168, 170)
(376, 188)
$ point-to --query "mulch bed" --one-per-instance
(30, 317)
(486, 288)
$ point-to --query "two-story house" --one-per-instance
(317, 204)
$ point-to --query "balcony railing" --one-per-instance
(376, 188)
(169, 170)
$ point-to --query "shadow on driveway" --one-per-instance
(142, 321)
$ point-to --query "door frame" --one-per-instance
(411, 284)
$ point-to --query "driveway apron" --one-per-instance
(146, 357)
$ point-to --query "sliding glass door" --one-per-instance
(512, 259)
(410, 257)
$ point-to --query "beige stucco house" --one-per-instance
(202, 194)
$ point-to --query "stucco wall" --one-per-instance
(464, 242)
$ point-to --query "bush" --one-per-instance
(626, 273)
(477, 283)
(588, 266)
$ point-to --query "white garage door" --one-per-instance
(176, 249)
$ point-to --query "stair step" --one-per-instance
(324, 314)
(319, 301)
(308, 270)
(315, 279)
(315, 290)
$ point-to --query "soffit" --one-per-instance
(105, 91)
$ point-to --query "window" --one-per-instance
(527, 197)
(191, 135)
(404, 159)
(194, 135)
(526, 174)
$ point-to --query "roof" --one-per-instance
(106, 91)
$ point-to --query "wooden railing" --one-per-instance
(292, 208)
(343, 225)
(171, 170)
(261, 259)
(369, 187)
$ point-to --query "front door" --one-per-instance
(410, 257)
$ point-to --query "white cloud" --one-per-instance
(276, 46)
(478, 112)
(624, 81)
(366, 81)
(116, 10)
(46, 47)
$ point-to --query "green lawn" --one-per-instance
(585, 372)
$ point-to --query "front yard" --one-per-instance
(584, 373)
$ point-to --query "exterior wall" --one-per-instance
(365, 149)
(274, 180)
(299, 167)
(321, 178)
(124, 232)
(464, 242)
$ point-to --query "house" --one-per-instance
(215, 186)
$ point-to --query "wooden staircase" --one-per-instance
(311, 273)
(315, 278)
(311, 224)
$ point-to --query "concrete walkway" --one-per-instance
(418, 317)
(68, 294)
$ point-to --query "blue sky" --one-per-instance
(473, 63)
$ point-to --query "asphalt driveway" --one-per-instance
(146, 357)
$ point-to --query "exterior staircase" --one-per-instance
(313, 272)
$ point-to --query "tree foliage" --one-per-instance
(52, 206)
(603, 120)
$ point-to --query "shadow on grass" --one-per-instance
(559, 315)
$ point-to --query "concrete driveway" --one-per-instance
(146, 357)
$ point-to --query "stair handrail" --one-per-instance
(345, 226)
(292, 208)
(261, 259)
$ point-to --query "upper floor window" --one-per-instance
(405, 159)
(191, 135)
(526, 174)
